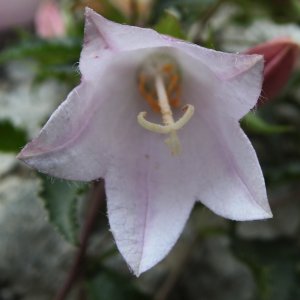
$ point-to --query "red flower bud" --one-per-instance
(280, 59)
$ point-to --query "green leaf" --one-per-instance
(170, 25)
(110, 286)
(255, 124)
(275, 265)
(62, 73)
(44, 51)
(60, 198)
(12, 138)
(190, 10)
(112, 13)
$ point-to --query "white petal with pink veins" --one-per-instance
(96, 133)
(75, 143)
(158, 201)
(103, 37)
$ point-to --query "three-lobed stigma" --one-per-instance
(159, 82)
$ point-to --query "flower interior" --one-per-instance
(159, 82)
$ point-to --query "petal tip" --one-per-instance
(265, 212)
(256, 59)
(30, 150)
(88, 11)
(261, 214)
(268, 214)
(22, 155)
(136, 272)
(146, 263)
(265, 215)
(139, 270)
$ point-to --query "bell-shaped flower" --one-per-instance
(158, 118)
(281, 56)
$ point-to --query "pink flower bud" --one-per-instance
(49, 22)
(280, 56)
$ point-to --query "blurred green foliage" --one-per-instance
(55, 58)
(12, 138)
(170, 25)
(274, 130)
(108, 285)
(60, 199)
(253, 123)
(275, 265)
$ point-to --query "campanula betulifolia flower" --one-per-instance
(158, 119)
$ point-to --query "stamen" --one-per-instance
(147, 95)
(159, 83)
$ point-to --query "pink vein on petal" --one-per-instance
(77, 133)
(146, 216)
(104, 36)
(232, 164)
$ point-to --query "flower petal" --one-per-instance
(75, 143)
(158, 194)
(235, 187)
(155, 184)
(65, 148)
(224, 65)
(230, 180)
(240, 76)
(104, 37)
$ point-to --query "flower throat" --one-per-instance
(159, 82)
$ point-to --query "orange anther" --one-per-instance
(167, 68)
(147, 95)
(174, 81)
(142, 81)
(171, 80)
(175, 102)
(152, 102)
(174, 91)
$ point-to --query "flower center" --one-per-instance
(159, 83)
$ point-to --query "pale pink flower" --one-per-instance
(101, 131)
(49, 22)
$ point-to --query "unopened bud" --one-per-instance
(280, 57)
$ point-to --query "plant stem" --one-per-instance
(96, 199)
